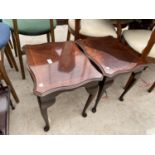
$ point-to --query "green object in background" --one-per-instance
(32, 27)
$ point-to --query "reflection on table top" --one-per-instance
(58, 66)
(111, 56)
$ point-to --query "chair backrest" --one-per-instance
(78, 26)
(149, 46)
(16, 32)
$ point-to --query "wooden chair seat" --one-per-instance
(138, 40)
(94, 27)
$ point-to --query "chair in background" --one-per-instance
(82, 28)
(29, 27)
(62, 21)
(4, 48)
(142, 41)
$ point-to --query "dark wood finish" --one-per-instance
(75, 32)
(112, 58)
(124, 22)
(132, 80)
(151, 88)
(69, 69)
(52, 30)
(68, 35)
(62, 21)
(119, 26)
(103, 85)
(48, 37)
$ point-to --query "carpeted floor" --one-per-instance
(136, 115)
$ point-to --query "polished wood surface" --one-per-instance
(69, 67)
(60, 67)
(111, 56)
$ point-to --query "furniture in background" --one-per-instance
(5, 101)
(62, 21)
(147, 24)
(82, 28)
(4, 48)
(60, 67)
(112, 58)
(142, 42)
(124, 22)
(29, 27)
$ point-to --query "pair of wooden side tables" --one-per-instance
(92, 63)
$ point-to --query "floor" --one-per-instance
(136, 115)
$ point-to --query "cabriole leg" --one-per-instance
(44, 104)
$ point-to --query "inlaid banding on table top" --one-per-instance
(111, 56)
(69, 67)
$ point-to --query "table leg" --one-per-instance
(151, 88)
(44, 104)
(92, 93)
(103, 85)
(131, 82)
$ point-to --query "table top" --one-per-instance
(110, 55)
(58, 66)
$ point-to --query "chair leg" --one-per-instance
(11, 104)
(68, 35)
(8, 58)
(48, 37)
(10, 44)
(14, 44)
(10, 55)
(131, 82)
(151, 88)
(20, 59)
(8, 82)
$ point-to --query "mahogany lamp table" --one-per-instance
(112, 58)
(59, 67)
